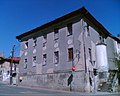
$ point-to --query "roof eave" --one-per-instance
(79, 11)
(85, 14)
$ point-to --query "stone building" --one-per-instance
(5, 68)
(74, 52)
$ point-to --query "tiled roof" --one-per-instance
(15, 59)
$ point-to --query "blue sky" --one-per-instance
(19, 16)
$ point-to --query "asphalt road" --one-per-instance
(7, 90)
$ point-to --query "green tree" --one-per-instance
(117, 60)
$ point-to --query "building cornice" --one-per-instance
(85, 15)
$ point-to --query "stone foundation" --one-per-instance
(58, 81)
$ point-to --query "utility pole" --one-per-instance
(11, 65)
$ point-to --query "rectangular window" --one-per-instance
(44, 44)
(70, 54)
(34, 60)
(69, 29)
(90, 54)
(44, 59)
(44, 40)
(34, 42)
(25, 63)
(26, 45)
(101, 39)
(88, 31)
(56, 57)
(56, 34)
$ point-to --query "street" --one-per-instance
(7, 90)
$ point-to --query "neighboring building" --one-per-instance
(1, 62)
(5, 69)
(74, 44)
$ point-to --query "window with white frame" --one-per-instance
(69, 29)
(25, 63)
(34, 60)
(44, 59)
(44, 40)
(56, 34)
(26, 45)
(56, 57)
(34, 42)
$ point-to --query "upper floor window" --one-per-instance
(25, 63)
(44, 44)
(101, 39)
(56, 33)
(34, 60)
(35, 42)
(26, 45)
(45, 38)
(70, 54)
(88, 31)
(69, 29)
(90, 54)
(56, 57)
(44, 59)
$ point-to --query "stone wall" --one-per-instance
(57, 81)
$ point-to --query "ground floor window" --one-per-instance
(44, 59)
(56, 57)
(34, 60)
(25, 63)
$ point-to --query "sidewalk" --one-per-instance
(71, 92)
(12, 90)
